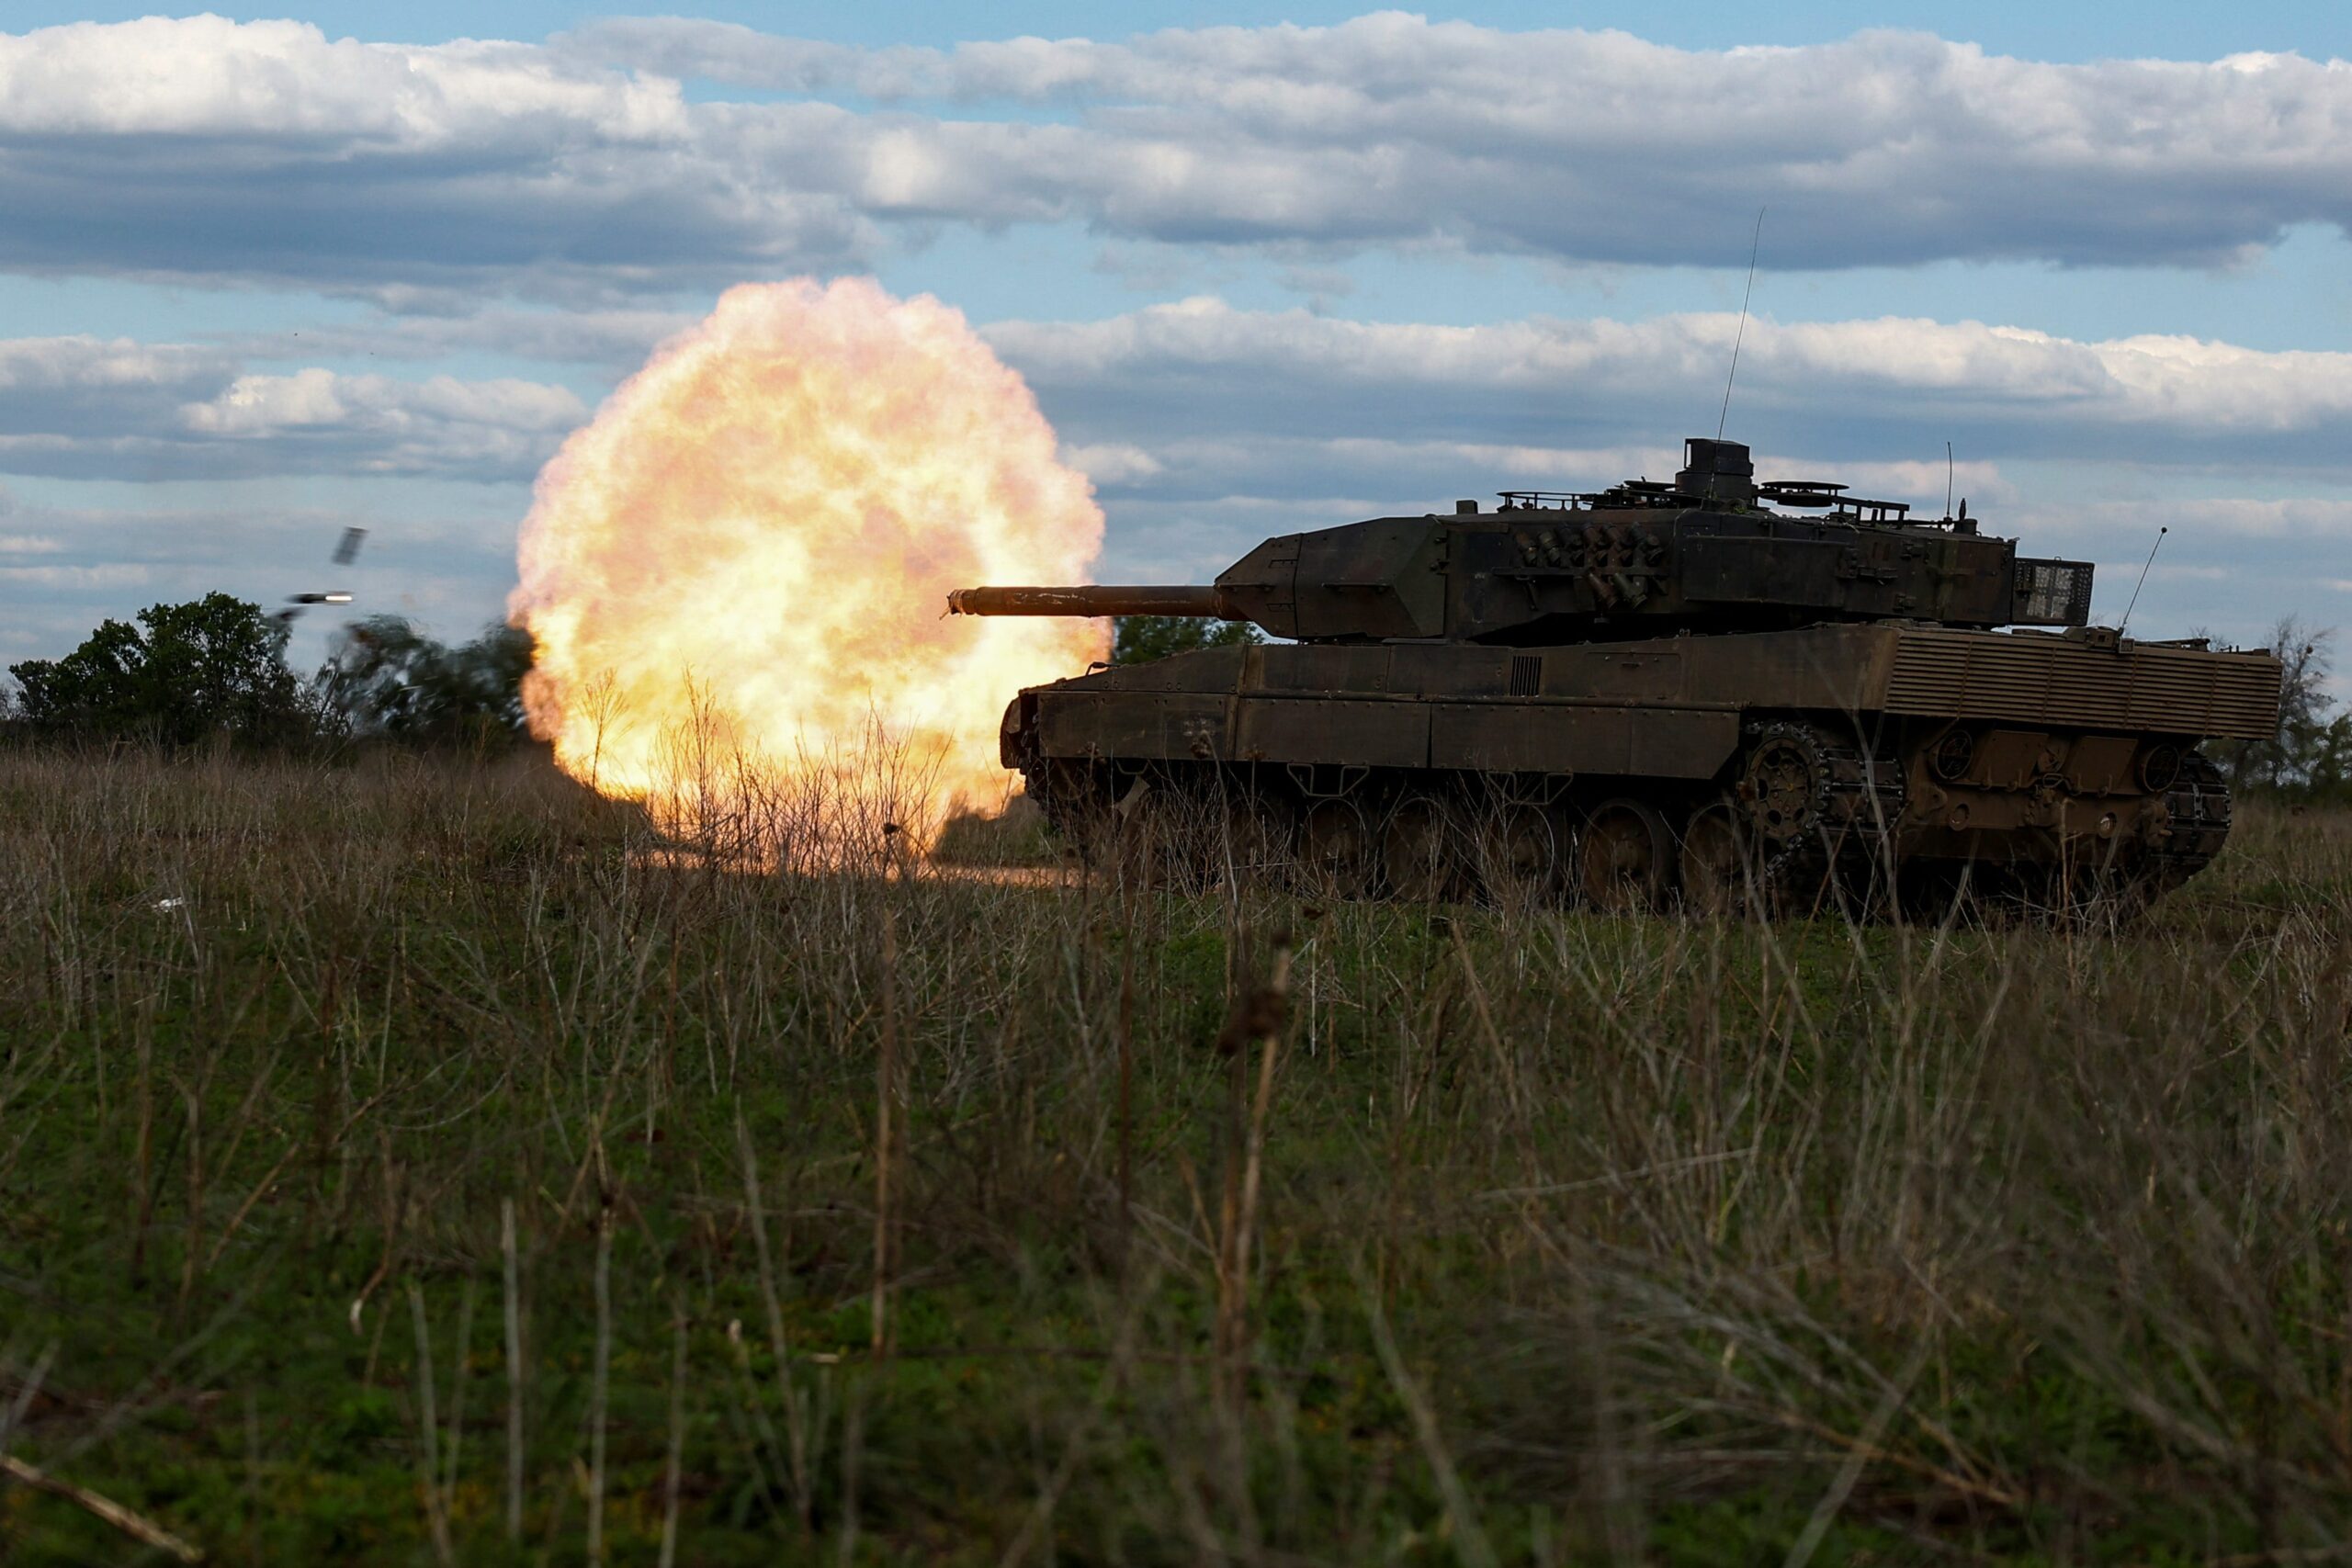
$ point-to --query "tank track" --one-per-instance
(2197, 821)
(1852, 806)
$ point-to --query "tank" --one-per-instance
(1707, 690)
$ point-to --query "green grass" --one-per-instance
(1577, 1239)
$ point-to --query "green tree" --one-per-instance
(2328, 769)
(211, 666)
(1142, 638)
(391, 680)
(2306, 756)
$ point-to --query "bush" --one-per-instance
(1142, 638)
(390, 681)
(184, 672)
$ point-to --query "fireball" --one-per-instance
(734, 574)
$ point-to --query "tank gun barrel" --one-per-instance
(1094, 600)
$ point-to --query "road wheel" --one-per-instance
(1336, 850)
(1255, 845)
(1718, 873)
(1625, 863)
(1163, 836)
(1520, 860)
(1092, 816)
(1136, 826)
(1418, 853)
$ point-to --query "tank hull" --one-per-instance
(1755, 768)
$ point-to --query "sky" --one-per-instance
(1266, 268)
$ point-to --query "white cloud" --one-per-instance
(48, 364)
(266, 405)
(84, 408)
(1886, 146)
(374, 424)
(1183, 397)
(2232, 521)
(206, 148)
(1202, 367)
(1111, 462)
(210, 148)
(263, 405)
(115, 575)
(208, 76)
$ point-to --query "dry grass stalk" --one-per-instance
(1842, 1486)
(600, 1380)
(853, 1453)
(1126, 1108)
(795, 1424)
(1260, 1013)
(674, 1470)
(886, 1096)
(136, 1525)
(428, 1461)
(458, 1377)
(512, 1300)
(1470, 1543)
(191, 1245)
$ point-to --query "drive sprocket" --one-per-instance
(1821, 809)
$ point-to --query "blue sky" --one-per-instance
(1265, 268)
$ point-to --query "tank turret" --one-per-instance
(1712, 551)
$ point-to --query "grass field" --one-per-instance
(411, 1162)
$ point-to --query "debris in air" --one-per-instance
(346, 550)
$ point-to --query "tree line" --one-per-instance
(180, 674)
(215, 668)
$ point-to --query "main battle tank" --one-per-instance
(1731, 694)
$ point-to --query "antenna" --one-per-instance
(1753, 246)
(2143, 581)
(1947, 479)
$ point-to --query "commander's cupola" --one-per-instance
(1719, 471)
